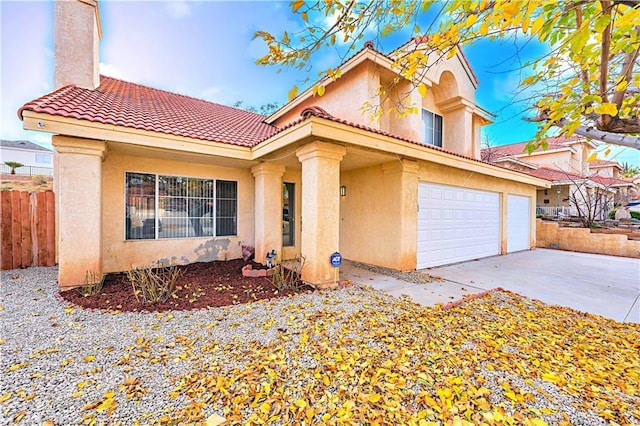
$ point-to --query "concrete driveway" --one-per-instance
(602, 285)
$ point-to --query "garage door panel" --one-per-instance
(518, 223)
(456, 224)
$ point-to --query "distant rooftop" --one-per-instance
(23, 145)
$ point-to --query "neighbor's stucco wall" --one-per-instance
(119, 254)
(379, 200)
(551, 235)
(557, 160)
(26, 157)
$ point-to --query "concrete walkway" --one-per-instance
(602, 285)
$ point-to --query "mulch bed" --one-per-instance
(202, 285)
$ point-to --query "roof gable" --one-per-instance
(369, 53)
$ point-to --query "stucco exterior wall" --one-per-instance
(361, 84)
(551, 235)
(119, 254)
(378, 201)
(447, 81)
(369, 223)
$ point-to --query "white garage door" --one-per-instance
(456, 224)
(518, 223)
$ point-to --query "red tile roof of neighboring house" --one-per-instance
(519, 148)
(554, 175)
(603, 163)
(132, 105)
(609, 181)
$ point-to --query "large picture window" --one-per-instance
(160, 206)
(432, 128)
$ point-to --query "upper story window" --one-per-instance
(43, 158)
(158, 206)
(432, 128)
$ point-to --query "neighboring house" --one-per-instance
(36, 159)
(147, 174)
(577, 184)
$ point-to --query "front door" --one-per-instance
(288, 214)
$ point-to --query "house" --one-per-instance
(576, 182)
(36, 159)
(173, 178)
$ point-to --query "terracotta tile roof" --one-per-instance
(554, 175)
(321, 113)
(609, 181)
(519, 148)
(132, 105)
(603, 163)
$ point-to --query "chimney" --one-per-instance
(77, 32)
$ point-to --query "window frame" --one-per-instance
(156, 210)
(439, 143)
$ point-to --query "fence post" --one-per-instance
(50, 229)
(7, 238)
(25, 229)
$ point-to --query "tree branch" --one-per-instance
(596, 134)
(627, 72)
(604, 53)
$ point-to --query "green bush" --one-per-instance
(154, 284)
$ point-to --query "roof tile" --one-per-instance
(132, 105)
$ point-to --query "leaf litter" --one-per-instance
(351, 356)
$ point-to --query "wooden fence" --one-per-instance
(28, 229)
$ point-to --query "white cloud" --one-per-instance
(210, 93)
(178, 8)
(111, 70)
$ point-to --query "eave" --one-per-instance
(109, 132)
(316, 128)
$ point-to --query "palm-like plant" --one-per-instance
(14, 165)
(629, 170)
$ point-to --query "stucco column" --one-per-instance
(504, 212)
(320, 209)
(402, 180)
(458, 126)
(78, 173)
(268, 209)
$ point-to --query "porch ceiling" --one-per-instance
(180, 156)
(356, 158)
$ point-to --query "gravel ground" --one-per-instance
(57, 359)
(67, 366)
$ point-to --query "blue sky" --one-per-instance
(206, 50)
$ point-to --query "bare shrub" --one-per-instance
(287, 273)
(154, 284)
(93, 283)
(39, 179)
